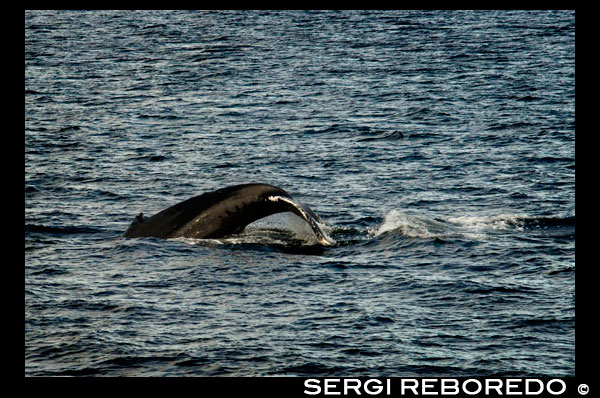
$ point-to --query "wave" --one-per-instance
(45, 229)
(365, 133)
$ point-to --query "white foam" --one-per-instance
(497, 222)
(412, 226)
(467, 226)
(287, 200)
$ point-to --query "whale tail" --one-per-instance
(223, 212)
(307, 215)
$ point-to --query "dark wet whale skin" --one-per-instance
(220, 213)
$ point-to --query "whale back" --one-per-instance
(220, 213)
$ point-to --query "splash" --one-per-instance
(467, 226)
(498, 222)
(411, 226)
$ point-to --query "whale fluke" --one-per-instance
(223, 212)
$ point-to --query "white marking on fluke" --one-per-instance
(321, 236)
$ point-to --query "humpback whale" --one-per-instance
(223, 212)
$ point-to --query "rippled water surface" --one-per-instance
(437, 147)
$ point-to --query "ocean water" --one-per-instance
(436, 146)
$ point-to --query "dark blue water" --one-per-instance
(438, 147)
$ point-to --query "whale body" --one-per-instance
(221, 213)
